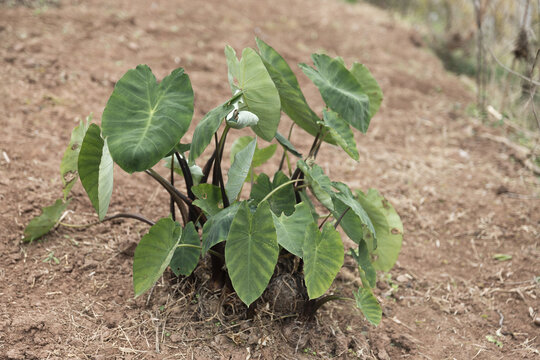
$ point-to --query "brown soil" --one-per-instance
(444, 298)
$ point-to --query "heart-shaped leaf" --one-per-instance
(251, 251)
(369, 86)
(368, 304)
(388, 227)
(96, 170)
(260, 95)
(186, 255)
(144, 120)
(216, 228)
(323, 257)
(340, 90)
(68, 166)
(42, 224)
(154, 253)
(291, 230)
(208, 198)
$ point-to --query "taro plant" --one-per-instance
(279, 224)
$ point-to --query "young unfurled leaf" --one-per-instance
(388, 227)
(68, 166)
(216, 229)
(251, 251)
(368, 304)
(239, 170)
(208, 198)
(144, 120)
(261, 155)
(320, 183)
(154, 253)
(323, 257)
(291, 230)
(186, 255)
(340, 90)
(206, 128)
(282, 201)
(42, 224)
(260, 95)
(96, 170)
(195, 170)
(341, 132)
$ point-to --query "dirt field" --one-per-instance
(462, 197)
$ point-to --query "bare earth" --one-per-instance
(446, 297)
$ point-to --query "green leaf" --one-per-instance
(181, 148)
(42, 224)
(206, 128)
(292, 99)
(144, 120)
(320, 183)
(239, 170)
(96, 170)
(340, 90)
(366, 269)
(367, 229)
(306, 199)
(260, 95)
(291, 230)
(216, 228)
(368, 304)
(186, 255)
(282, 200)
(251, 251)
(194, 169)
(369, 86)
(208, 198)
(68, 166)
(388, 228)
(323, 257)
(287, 145)
(341, 132)
(154, 253)
(260, 156)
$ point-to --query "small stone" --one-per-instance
(537, 321)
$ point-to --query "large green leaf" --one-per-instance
(251, 251)
(346, 198)
(42, 224)
(260, 95)
(68, 166)
(291, 230)
(341, 132)
(292, 99)
(154, 253)
(287, 145)
(340, 90)
(282, 201)
(369, 86)
(320, 183)
(208, 198)
(96, 170)
(388, 227)
(186, 255)
(239, 170)
(323, 257)
(216, 228)
(368, 304)
(366, 269)
(206, 128)
(144, 120)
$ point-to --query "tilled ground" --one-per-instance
(463, 198)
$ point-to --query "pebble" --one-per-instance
(537, 321)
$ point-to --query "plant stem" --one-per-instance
(187, 174)
(279, 188)
(210, 251)
(208, 167)
(218, 176)
(284, 149)
(325, 219)
(171, 206)
(112, 217)
(341, 217)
